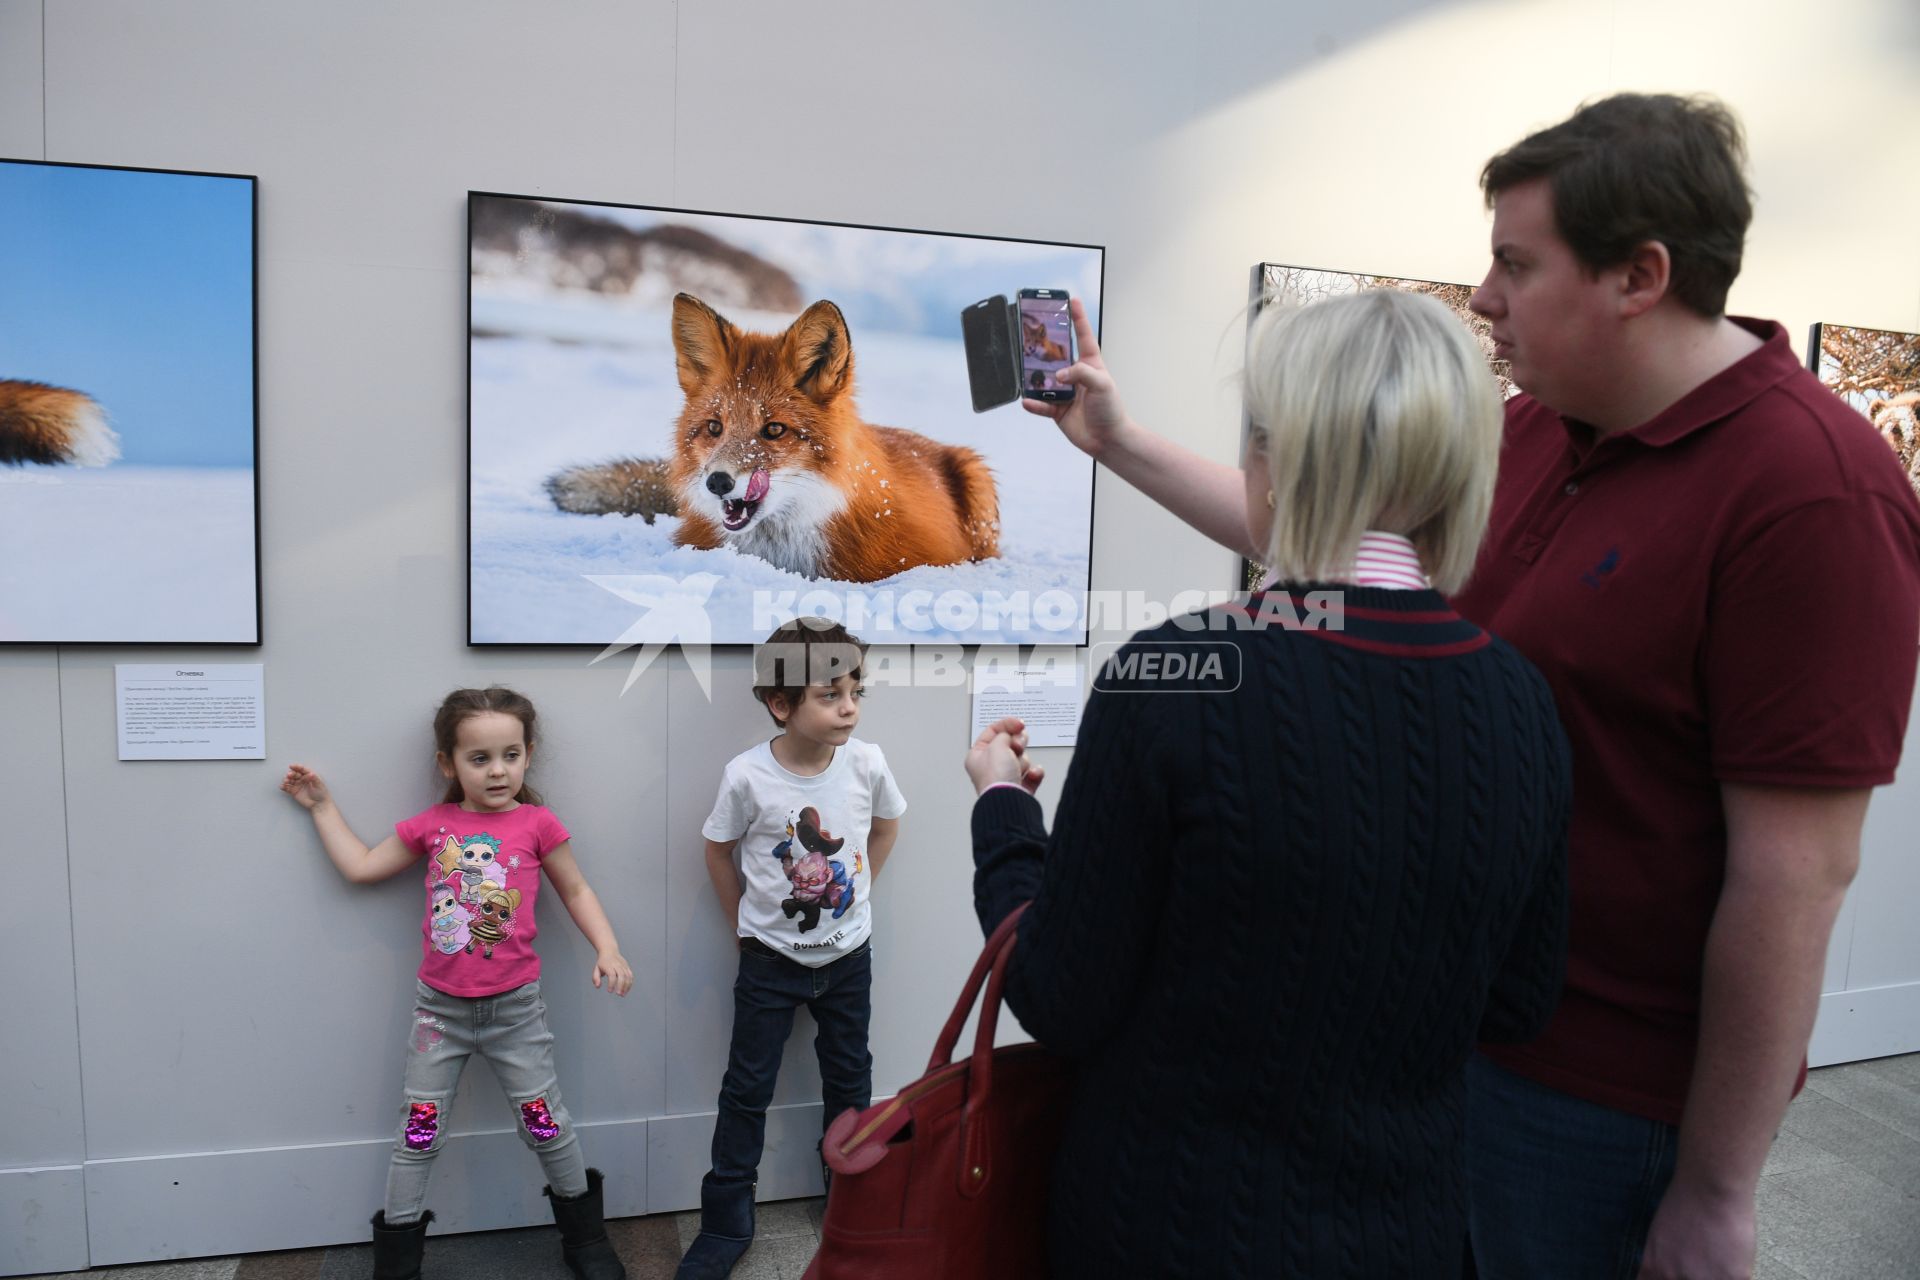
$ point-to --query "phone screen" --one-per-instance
(1046, 344)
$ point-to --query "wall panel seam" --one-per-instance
(66, 844)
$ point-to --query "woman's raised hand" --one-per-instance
(1094, 419)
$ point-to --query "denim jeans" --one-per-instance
(770, 987)
(1556, 1185)
(508, 1030)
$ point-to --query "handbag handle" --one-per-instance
(998, 943)
(976, 1164)
(852, 1146)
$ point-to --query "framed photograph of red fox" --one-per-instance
(686, 428)
(129, 507)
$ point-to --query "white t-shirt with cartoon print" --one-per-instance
(802, 845)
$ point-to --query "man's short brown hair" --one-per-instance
(807, 650)
(1637, 167)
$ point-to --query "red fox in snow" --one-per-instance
(39, 423)
(772, 458)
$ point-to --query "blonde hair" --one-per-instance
(1378, 412)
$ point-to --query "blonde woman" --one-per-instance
(1288, 888)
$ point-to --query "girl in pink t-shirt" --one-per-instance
(484, 847)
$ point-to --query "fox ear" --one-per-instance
(817, 348)
(701, 339)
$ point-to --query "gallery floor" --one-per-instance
(1840, 1201)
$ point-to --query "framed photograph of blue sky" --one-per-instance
(129, 504)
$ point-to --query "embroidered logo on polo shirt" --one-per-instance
(1608, 563)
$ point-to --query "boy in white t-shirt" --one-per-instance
(813, 814)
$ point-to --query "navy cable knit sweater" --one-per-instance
(1271, 923)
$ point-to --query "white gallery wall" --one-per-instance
(200, 1031)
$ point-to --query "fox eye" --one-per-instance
(774, 430)
(713, 426)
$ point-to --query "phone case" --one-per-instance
(990, 329)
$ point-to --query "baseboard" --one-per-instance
(1874, 1022)
(43, 1220)
(216, 1203)
(679, 1152)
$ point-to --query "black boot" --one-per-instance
(583, 1233)
(396, 1250)
(726, 1229)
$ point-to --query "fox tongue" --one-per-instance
(757, 485)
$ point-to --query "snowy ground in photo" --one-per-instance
(126, 554)
(607, 389)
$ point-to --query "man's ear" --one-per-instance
(1644, 278)
(781, 706)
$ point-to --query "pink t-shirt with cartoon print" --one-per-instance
(483, 874)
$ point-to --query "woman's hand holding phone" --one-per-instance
(1094, 419)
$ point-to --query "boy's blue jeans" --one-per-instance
(770, 987)
(1556, 1185)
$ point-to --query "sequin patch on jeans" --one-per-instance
(423, 1125)
(539, 1120)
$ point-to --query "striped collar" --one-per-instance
(1388, 560)
(1382, 560)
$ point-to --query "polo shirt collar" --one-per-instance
(1719, 397)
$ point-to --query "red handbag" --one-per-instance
(947, 1180)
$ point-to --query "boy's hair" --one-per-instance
(1637, 167)
(807, 650)
(1377, 412)
(462, 705)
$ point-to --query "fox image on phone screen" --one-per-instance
(1046, 343)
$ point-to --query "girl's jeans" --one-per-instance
(508, 1030)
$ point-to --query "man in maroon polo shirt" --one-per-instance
(1716, 565)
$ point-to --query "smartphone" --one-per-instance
(993, 371)
(1046, 343)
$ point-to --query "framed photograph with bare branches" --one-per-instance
(1276, 283)
(1877, 371)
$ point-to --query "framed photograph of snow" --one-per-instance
(1877, 371)
(1276, 283)
(129, 505)
(687, 428)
